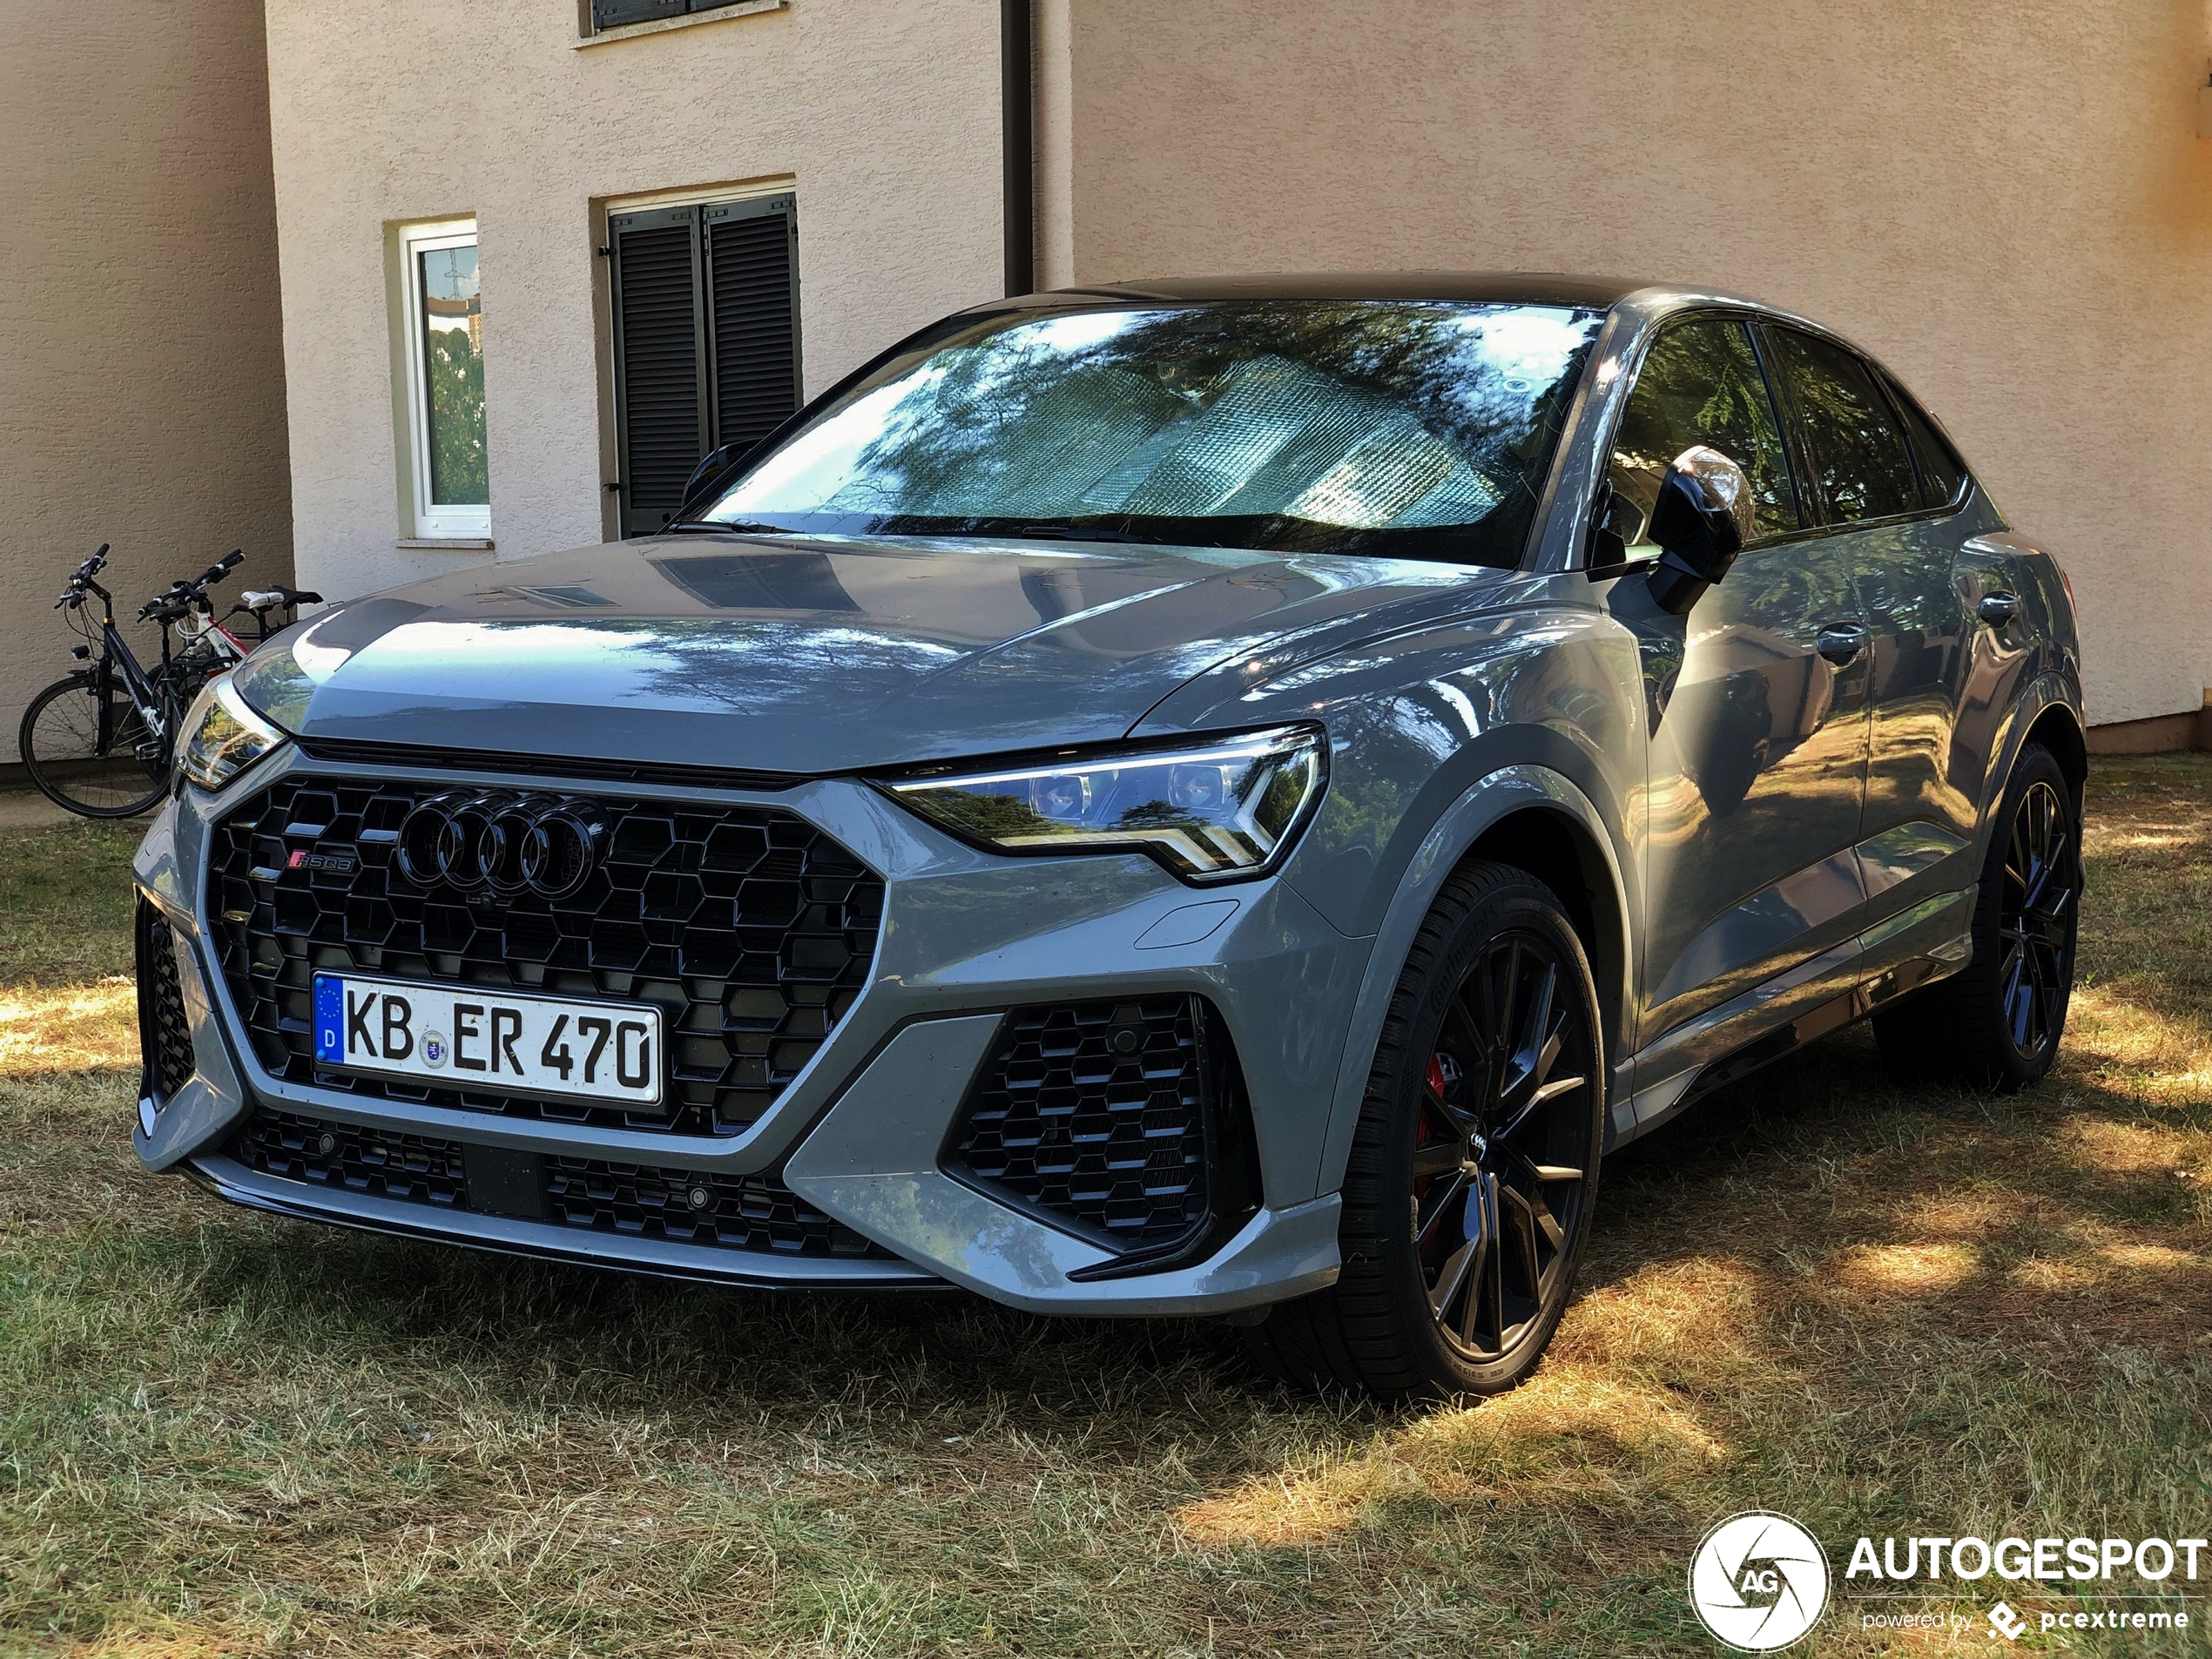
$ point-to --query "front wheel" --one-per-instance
(1473, 1169)
(97, 762)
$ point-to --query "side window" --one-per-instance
(1860, 466)
(1700, 383)
(1941, 477)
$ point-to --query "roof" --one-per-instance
(1509, 287)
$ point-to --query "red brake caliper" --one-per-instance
(1424, 1132)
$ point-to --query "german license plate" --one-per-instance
(465, 1036)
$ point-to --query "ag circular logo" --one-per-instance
(1759, 1582)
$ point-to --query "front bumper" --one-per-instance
(859, 1134)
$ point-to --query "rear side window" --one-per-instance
(1700, 384)
(1860, 466)
(1941, 477)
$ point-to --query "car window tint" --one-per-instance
(1940, 472)
(1860, 468)
(1700, 384)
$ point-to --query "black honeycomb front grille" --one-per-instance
(165, 1031)
(415, 1168)
(750, 928)
(1099, 1115)
(752, 1212)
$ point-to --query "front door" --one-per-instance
(1758, 740)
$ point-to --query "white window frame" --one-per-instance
(431, 522)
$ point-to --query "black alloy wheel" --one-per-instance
(1997, 1022)
(1501, 1163)
(2035, 923)
(1473, 1169)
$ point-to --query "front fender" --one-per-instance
(1436, 734)
(1461, 823)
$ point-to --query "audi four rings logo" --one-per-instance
(502, 844)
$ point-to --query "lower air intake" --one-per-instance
(757, 1213)
(165, 1030)
(1120, 1122)
(751, 1212)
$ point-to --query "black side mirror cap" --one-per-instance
(1701, 522)
(713, 466)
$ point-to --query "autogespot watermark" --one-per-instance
(1759, 1581)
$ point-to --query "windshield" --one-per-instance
(1420, 429)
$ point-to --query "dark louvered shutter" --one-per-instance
(660, 360)
(752, 287)
(612, 14)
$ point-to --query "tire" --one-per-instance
(60, 744)
(1458, 1190)
(1997, 1022)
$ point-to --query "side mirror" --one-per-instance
(712, 466)
(1700, 521)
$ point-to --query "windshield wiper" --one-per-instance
(1070, 533)
(735, 526)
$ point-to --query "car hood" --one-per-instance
(814, 654)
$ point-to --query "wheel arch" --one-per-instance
(1551, 844)
(2057, 730)
(2048, 710)
(1535, 820)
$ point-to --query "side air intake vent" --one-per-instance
(164, 1032)
(1123, 1123)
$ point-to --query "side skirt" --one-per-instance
(1929, 943)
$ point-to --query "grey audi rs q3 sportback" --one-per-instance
(1220, 797)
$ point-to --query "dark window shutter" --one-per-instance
(660, 352)
(752, 286)
(612, 14)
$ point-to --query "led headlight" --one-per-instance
(222, 736)
(1210, 811)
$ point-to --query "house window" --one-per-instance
(449, 483)
(613, 14)
(705, 340)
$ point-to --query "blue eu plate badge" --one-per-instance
(330, 1018)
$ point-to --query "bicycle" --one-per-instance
(99, 741)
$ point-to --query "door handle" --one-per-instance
(1841, 644)
(1999, 608)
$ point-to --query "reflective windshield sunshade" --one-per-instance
(1413, 429)
(1210, 812)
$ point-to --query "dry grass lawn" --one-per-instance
(1878, 1311)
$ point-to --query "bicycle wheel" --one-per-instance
(115, 768)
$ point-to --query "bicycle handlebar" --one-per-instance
(264, 598)
(73, 595)
(180, 598)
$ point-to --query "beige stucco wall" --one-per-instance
(141, 377)
(2004, 199)
(886, 112)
